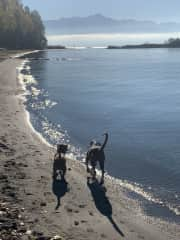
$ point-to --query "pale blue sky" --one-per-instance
(157, 10)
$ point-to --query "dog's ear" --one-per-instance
(62, 148)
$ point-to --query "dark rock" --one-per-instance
(43, 204)
(43, 238)
(22, 229)
(3, 177)
(103, 235)
(83, 221)
(69, 209)
(11, 194)
(8, 226)
(82, 205)
(91, 213)
(21, 176)
(76, 223)
(29, 194)
(38, 234)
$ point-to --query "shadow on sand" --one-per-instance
(59, 188)
(102, 202)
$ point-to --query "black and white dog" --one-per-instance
(96, 154)
(59, 165)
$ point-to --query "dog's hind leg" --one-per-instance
(93, 172)
(101, 163)
(87, 163)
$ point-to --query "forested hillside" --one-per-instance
(20, 28)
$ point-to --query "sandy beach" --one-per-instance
(32, 206)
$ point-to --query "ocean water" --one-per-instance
(75, 95)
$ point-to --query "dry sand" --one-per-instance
(32, 206)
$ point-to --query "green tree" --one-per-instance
(19, 27)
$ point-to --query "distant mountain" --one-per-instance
(100, 24)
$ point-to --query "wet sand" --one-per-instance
(33, 206)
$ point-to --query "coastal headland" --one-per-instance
(33, 206)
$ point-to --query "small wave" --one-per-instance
(139, 189)
(29, 85)
(29, 79)
(24, 54)
(70, 59)
(49, 103)
(35, 91)
(42, 105)
(20, 74)
(53, 133)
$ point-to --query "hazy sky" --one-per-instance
(157, 10)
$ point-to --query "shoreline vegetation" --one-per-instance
(56, 47)
(171, 43)
(20, 28)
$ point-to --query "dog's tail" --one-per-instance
(105, 141)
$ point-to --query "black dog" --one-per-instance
(59, 165)
(96, 154)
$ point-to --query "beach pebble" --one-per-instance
(103, 235)
(57, 238)
(69, 209)
(1, 213)
(82, 205)
(38, 234)
(3, 177)
(91, 213)
(43, 238)
(28, 232)
(8, 225)
(76, 223)
(83, 221)
(43, 204)
(22, 229)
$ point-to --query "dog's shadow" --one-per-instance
(59, 188)
(102, 202)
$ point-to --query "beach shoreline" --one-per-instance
(27, 186)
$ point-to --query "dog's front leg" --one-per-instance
(87, 164)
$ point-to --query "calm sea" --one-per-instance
(77, 94)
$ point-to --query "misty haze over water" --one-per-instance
(98, 30)
(103, 40)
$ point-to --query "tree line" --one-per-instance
(20, 28)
